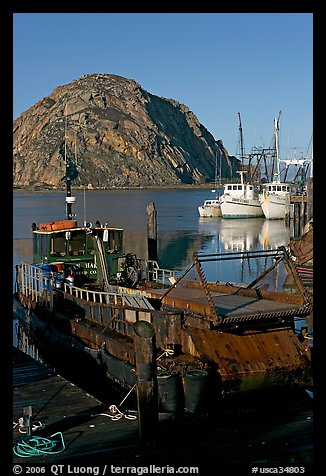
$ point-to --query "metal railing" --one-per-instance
(35, 283)
(114, 297)
(152, 272)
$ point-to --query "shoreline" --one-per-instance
(206, 186)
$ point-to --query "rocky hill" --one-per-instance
(117, 134)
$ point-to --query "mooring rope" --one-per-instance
(30, 446)
(22, 428)
(117, 414)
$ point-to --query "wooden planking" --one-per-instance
(64, 407)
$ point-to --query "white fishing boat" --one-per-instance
(211, 207)
(275, 195)
(275, 200)
(240, 200)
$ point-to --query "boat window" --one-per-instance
(279, 188)
(35, 245)
(77, 243)
(90, 244)
(43, 245)
(114, 243)
(239, 187)
(208, 202)
(284, 188)
(229, 187)
(274, 188)
(234, 187)
(250, 187)
(58, 245)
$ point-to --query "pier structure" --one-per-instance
(85, 433)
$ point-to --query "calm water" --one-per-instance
(181, 231)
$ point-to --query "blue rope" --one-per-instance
(38, 446)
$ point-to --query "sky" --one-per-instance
(217, 64)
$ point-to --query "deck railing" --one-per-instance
(35, 283)
(151, 271)
(40, 285)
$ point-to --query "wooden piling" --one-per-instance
(27, 419)
(146, 384)
(151, 231)
(309, 214)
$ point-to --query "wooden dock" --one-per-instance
(274, 429)
(65, 408)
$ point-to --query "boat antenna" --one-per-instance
(84, 206)
(69, 199)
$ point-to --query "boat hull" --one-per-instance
(236, 207)
(209, 211)
(274, 206)
(88, 330)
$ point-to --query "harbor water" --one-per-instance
(181, 232)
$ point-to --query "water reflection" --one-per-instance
(181, 232)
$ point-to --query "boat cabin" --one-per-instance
(211, 203)
(239, 190)
(77, 248)
(276, 188)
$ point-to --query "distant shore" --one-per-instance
(205, 186)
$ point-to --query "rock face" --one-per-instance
(117, 135)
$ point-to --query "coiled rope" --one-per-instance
(31, 446)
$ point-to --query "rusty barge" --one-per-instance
(235, 337)
(81, 297)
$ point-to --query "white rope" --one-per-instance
(22, 428)
(167, 353)
(116, 414)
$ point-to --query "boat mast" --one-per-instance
(215, 178)
(276, 135)
(241, 139)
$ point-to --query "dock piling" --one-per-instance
(151, 231)
(147, 391)
(27, 419)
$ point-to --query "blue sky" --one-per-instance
(217, 64)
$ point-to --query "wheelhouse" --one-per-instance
(76, 246)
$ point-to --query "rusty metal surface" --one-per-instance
(272, 354)
(242, 306)
(257, 301)
(231, 305)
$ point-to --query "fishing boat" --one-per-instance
(81, 296)
(240, 200)
(212, 207)
(275, 196)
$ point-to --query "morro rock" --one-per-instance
(117, 135)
